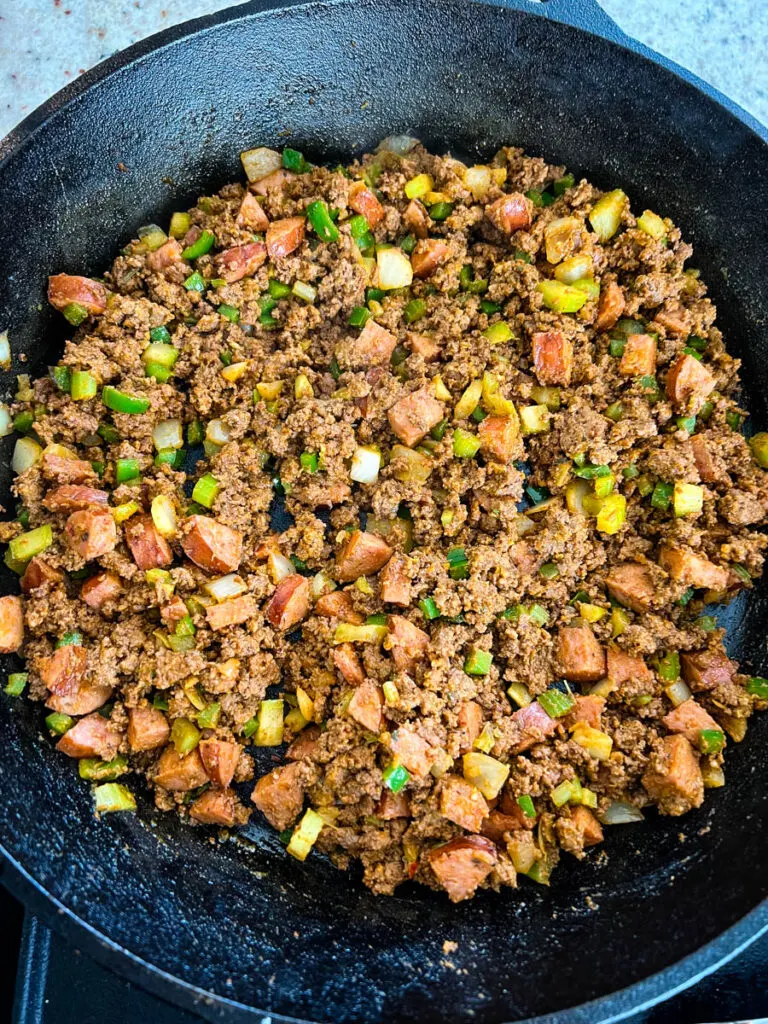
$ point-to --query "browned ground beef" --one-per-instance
(559, 495)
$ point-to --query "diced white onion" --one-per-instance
(5, 350)
(304, 291)
(321, 584)
(400, 144)
(164, 515)
(678, 693)
(478, 180)
(168, 434)
(26, 453)
(366, 463)
(279, 566)
(394, 269)
(6, 423)
(524, 525)
(218, 432)
(227, 586)
(619, 812)
(258, 163)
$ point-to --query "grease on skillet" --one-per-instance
(497, 411)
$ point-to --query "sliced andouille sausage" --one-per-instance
(338, 605)
(623, 668)
(92, 736)
(429, 254)
(220, 759)
(212, 545)
(274, 180)
(581, 656)
(706, 464)
(497, 824)
(64, 289)
(499, 438)
(251, 214)
(289, 603)
(587, 825)
(280, 795)
(423, 345)
(462, 865)
(362, 554)
(689, 383)
(610, 307)
(414, 416)
(39, 574)
(174, 611)
(11, 624)
(167, 255)
(673, 779)
(707, 669)
(675, 318)
(91, 533)
(73, 498)
(214, 807)
(241, 261)
(631, 584)
(232, 612)
(462, 803)
(373, 346)
(67, 471)
(149, 548)
(407, 642)
(179, 774)
(588, 709)
(395, 582)
(304, 745)
(367, 706)
(692, 570)
(470, 722)
(689, 718)
(413, 752)
(552, 357)
(393, 805)
(532, 725)
(348, 664)
(62, 671)
(100, 589)
(416, 219)
(148, 729)
(285, 236)
(83, 697)
(639, 356)
(363, 201)
(512, 212)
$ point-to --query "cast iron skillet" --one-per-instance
(242, 925)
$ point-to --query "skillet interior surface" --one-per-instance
(240, 919)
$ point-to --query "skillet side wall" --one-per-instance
(249, 923)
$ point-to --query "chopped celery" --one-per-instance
(112, 796)
(688, 499)
(206, 490)
(465, 444)
(16, 684)
(429, 609)
(27, 545)
(556, 703)
(562, 298)
(83, 386)
(58, 723)
(185, 736)
(605, 215)
(96, 770)
(305, 835)
(269, 732)
(478, 662)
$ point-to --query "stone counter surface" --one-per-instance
(46, 43)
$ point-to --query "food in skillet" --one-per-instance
(504, 425)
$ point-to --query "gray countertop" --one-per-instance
(46, 43)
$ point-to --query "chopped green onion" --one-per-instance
(61, 377)
(121, 401)
(457, 564)
(758, 687)
(662, 496)
(742, 573)
(58, 723)
(556, 703)
(320, 219)
(525, 803)
(429, 609)
(359, 317)
(414, 310)
(112, 796)
(16, 684)
(478, 662)
(206, 490)
(231, 313)
(126, 469)
(395, 777)
(310, 461)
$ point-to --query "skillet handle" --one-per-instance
(586, 15)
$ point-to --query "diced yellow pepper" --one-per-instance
(419, 186)
(562, 298)
(269, 390)
(534, 419)
(234, 371)
(306, 704)
(467, 404)
(270, 728)
(591, 612)
(687, 499)
(442, 394)
(619, 621)
(612, 514)
(598, 744)
(605, 215)
(346, 633)
(652, 224)
(305, 836)
(493, 400)
(488, 774)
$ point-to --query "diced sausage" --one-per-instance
(623, 668)
(280, 795)
(462, 864)
(92, 736)
(710, 470)
(639, 356)
(241, 261)
(101, 589)
(348, 664)
(470, 722)
(675, 318)
(407, 642)
(366, 706)
(64, 470)
(512, 212)
(499, 437)
(304, 745)
(73, 498)
(167, 255)
(689, 383)
(62, 671)
(588, 709)
(497, 824)
(84, 697)
(707, 669)
(691, 569)
(552, 357)
(212, 545)
(392, 805)
(423, 345)
(428, 255)
(91, 533)
(416, 219)
(631, 584)
(64, 289)
(673, 779)
(285, 236)
(220, 759)
(587, 825)
(462, 803)
(413, 752)
(214, 807)
(395, 582)
(689, 719)
(610, 306)
(532, 724)
(338, 605)
(289, 603)
(581, 656)
(39, 574)
(251, 214)
(373, 346)
(232, 612)
(148, 729)
(174, 611)
(274, 180)
(414, 416)
(362, 554)
(179, 774)
(149, 548)
(363, 201)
